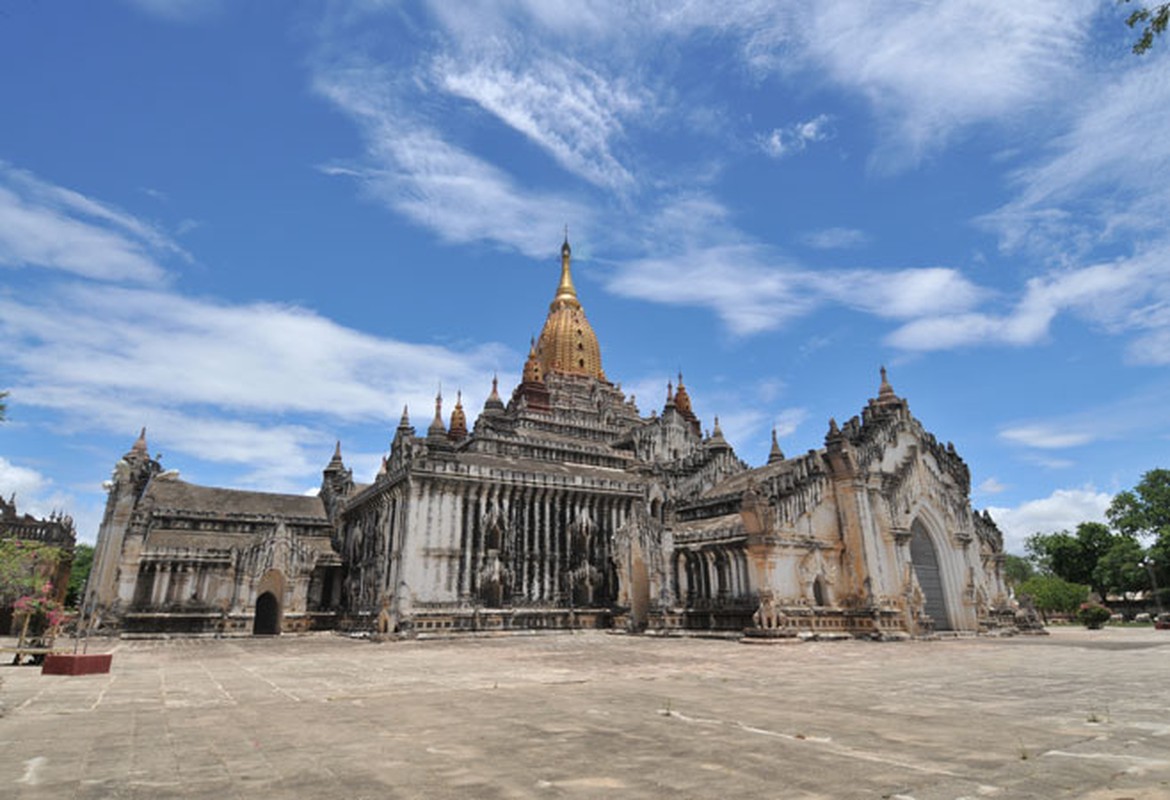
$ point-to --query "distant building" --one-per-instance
(566, 508)
(56, 530)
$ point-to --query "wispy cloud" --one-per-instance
(215, 380)
(412, 169)
(571, 111)
(1142, 409)
(1045, 437)
(794, 138)
(836, 238)
(707, 262)
(930, 71)
(1104, 178)
(51, 227)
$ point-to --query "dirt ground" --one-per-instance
(1075, 714)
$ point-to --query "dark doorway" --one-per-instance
(925, 560)
(639, 594)
(819, 592)
(267, 619)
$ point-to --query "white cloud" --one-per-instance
(21, 481)
(930, 70)
(412, 169)
(903, 293)
(207, 378)
(794, 138)
(991, 486)
(788, 420)
(1104, 178)
(1064, 509)
(572, 112)
(836, 238)
(47, 226)
(1045, 437)
(1121, 295)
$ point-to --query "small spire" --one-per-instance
(776, 454)
(886, 394)
(682, 400)
(566, 292)
(405, 421)
(716, 440)
(532, 372)
(669, 393)
(437, 427)
(336, 460)
(494, 404)
(140, 443)
(458, 430)
(834, 430)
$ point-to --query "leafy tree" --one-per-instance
(1051, 594)
(79, 572)
(1144, 512)
(1153, 21)
(1073, 557)
(24, 567)
(1122, 568)
(1017, 569)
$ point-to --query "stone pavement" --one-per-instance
(1076, 714)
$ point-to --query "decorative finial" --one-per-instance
(776, 454)
(886, 391)
(140, 443)
(405, 421)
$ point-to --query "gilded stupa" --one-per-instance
(567, 344)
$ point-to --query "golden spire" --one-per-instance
(566, 292)
(458, 429)
(532, 369)
(567, 344)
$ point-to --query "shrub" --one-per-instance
(1093, 615)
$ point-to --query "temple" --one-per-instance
(566, 508)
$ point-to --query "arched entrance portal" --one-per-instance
(925, 560)
(267, 619)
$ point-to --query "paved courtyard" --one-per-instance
(1076, 714)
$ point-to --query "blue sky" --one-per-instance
(256, 228)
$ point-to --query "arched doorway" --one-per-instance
(925, 560)
(266, 622)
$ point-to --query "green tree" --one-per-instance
(1017, 569)
(79, 573)
(24, 567)
(1052, 595)
(1144, 512)
(1152, 20)
(1122, 569)
(1073, 557)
